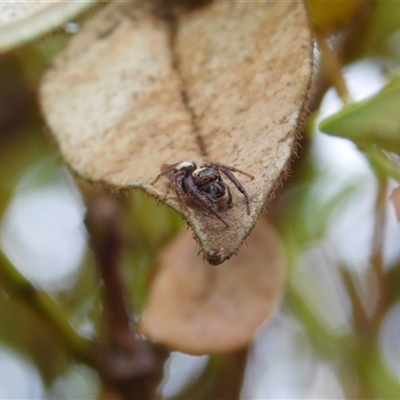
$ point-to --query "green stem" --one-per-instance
(333, 69)
(45, 308)
(381, 162)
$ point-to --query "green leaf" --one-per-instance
(374, 121)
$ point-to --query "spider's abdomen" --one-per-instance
(171, 170)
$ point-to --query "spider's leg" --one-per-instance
(203, 199)
(223, 167)
(169, 183)
(226, 189)
(178, 180)
(229, 201)
(165, 170)
(158, 177)
(239, 186)
(173, 180)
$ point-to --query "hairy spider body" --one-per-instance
(204, 185)
(209, 181)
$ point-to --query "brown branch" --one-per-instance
(368, 325)
(130, 364)
(379, 276)
(360, 316)
(104, 223)
(230, 379)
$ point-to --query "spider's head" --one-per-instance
(205, 175)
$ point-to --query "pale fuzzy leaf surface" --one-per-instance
(198, 308)
(246, 69)
(227, 82)
(23, 21)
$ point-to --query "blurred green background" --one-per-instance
(336, 332)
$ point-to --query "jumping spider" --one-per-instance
(205, 184)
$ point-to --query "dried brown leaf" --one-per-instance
(198, 308)
(142, 85)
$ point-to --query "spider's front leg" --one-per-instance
(223, 167)
(229, 201)
(222, 189)
(203, 199)
(158, 177)
(227, 172)
(178, 179)
(165, 170)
